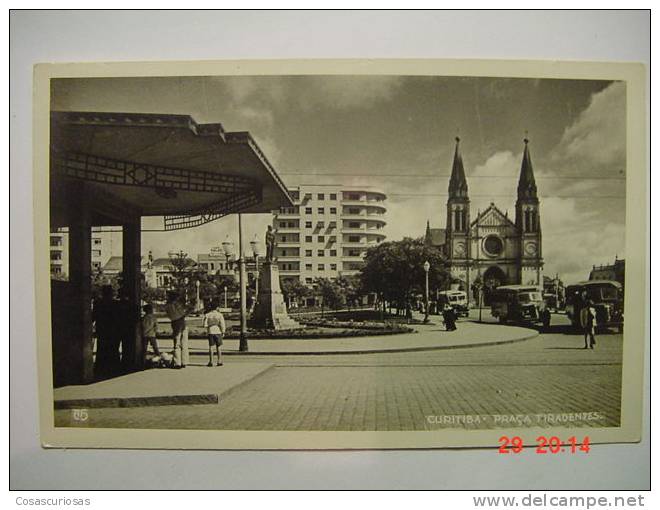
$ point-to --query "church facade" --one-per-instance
(491, 247)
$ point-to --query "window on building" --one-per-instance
(308, 267)
(353, 239)
(333, 224)
(320, 253)
(321, 239)
(333, 196)
(96, 266)
(292, 224)
(283, 253)
(308, 224)
(56, 269)
(282, 224)
(308, 253)
(56, 241)
(308, 210)
(320, 224)
(308, 281)
(283, 239)
(55, 255)
(333, 239)
(321, 210)
(333, 210)
(353, 210)
(308, 196)
(320, 196)
(333, 253)
(353, 224)
(321, 267)
(96, 253)
(308, 239)
(353, 253)
(333, 267)
(353, 196)
(96, 241)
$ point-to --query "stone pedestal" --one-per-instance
(270, 310)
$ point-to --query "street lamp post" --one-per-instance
(242, 344)
(228, 247)
(427, 266)
(256, 251)
(197, 302)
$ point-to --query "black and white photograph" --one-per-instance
(437, 255)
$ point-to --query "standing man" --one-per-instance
(108, 324)
(214, 323)
(176, 312)
(588, 323)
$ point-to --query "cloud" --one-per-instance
(345, 92)
(596, 141)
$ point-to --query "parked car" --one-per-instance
(457, 299)
(607, 297)
(519, 303)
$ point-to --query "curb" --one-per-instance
(533, 334)
(169, 400)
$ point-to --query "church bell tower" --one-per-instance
(528, 224)
(458, 218)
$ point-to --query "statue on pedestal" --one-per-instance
(270, 310)
(270, 244)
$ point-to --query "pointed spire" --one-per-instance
(458, 183)
(526, 183)
(427, 236)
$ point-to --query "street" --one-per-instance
(550, 374)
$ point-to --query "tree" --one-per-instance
(394, 270)
(331, 293)
(294, 290)
(352, 288)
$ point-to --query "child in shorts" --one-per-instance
(149, 329)
(214, 323)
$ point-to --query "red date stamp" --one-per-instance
(545, 445)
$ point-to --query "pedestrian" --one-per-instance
(176, 311)
(449, 317)
(214, 323)
(588, 323)
(105, 316)
(149, 330)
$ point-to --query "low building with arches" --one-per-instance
(491, 248)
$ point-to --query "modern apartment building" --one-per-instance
(327, 231)
(59, 252)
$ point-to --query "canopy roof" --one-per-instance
(165, 165)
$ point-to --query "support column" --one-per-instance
(81, 362)
(132, 349)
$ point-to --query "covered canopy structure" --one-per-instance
(110, 169)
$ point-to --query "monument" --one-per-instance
(270, 311)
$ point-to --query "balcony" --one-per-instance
(290, 271)
(288, 230)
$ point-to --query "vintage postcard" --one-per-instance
(341, 254)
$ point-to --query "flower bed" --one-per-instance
(310, 331)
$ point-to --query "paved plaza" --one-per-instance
(547, 374)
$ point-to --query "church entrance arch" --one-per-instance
(492, 278)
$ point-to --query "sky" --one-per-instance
(396, 134)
